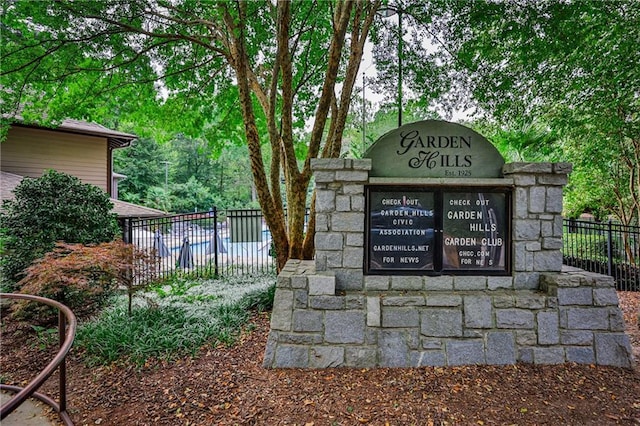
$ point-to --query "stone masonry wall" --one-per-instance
(327, 313)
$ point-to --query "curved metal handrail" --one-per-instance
(65, 336)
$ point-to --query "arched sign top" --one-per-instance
(434, 149)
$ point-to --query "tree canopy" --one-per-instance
(572, 65)
(256, 72)
(278, 78)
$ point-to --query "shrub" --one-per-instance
(178, 319)
(83, 277)
(592, 245)
(54, 207)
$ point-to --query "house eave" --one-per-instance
(115, 139)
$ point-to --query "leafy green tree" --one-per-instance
(572, 65)
(143, 165)
(232, 185)
(187, 66)
(410, 72)
(583, 195)
(191, 157)
(158, 198)
(522, 140)
(54, 207)
(191, 196)
(223, 173)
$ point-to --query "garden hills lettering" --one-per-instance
(412, 139)
(472, 215)
(402, 211)
(427, 151)
(434, 149)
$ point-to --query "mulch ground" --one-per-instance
(228, 386)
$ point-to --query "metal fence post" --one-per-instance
(127, 230)
(215, 240)
(609, 249)
(62, 386)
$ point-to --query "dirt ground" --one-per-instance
(228, 386)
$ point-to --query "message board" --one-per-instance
(401, 231)
(474, 231)
(431, 231)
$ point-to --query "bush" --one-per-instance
(54, 207)
(84, 277)
(259, 299)
(593, 246)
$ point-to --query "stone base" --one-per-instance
(573, 317)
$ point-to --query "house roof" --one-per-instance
(8, 182)
(115, 138)
(124, 209)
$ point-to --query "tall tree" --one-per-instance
(142, 164)
(192, 157)
(285, 63)
(573, 64)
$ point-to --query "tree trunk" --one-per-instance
(290, 240)
(308, 248)
(271, 211)
(296, 210)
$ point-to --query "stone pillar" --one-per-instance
(340, 220)
(537, 219)
(586, 325)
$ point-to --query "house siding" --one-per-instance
(30, 152)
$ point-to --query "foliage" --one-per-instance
(586, 193)
(191, 196)
(84, 277)
(142, 164)
(184, 175)
(584, 246)
(522, 140)
(596, 241)
(382, 121)
(230, 181)
(410, 71)
(193, 159)
(572, 65)
(198, 295)
(231, 72)
(149, 332)
(54, 207)
(261, 300)
(176, 285)
(177, 323)
(5, 285)
(45, 337)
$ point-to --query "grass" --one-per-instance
(174, 319)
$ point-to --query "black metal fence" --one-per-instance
(217, 242)
(238, 242)
(604, 247)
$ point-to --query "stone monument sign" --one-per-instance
(432, 251)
